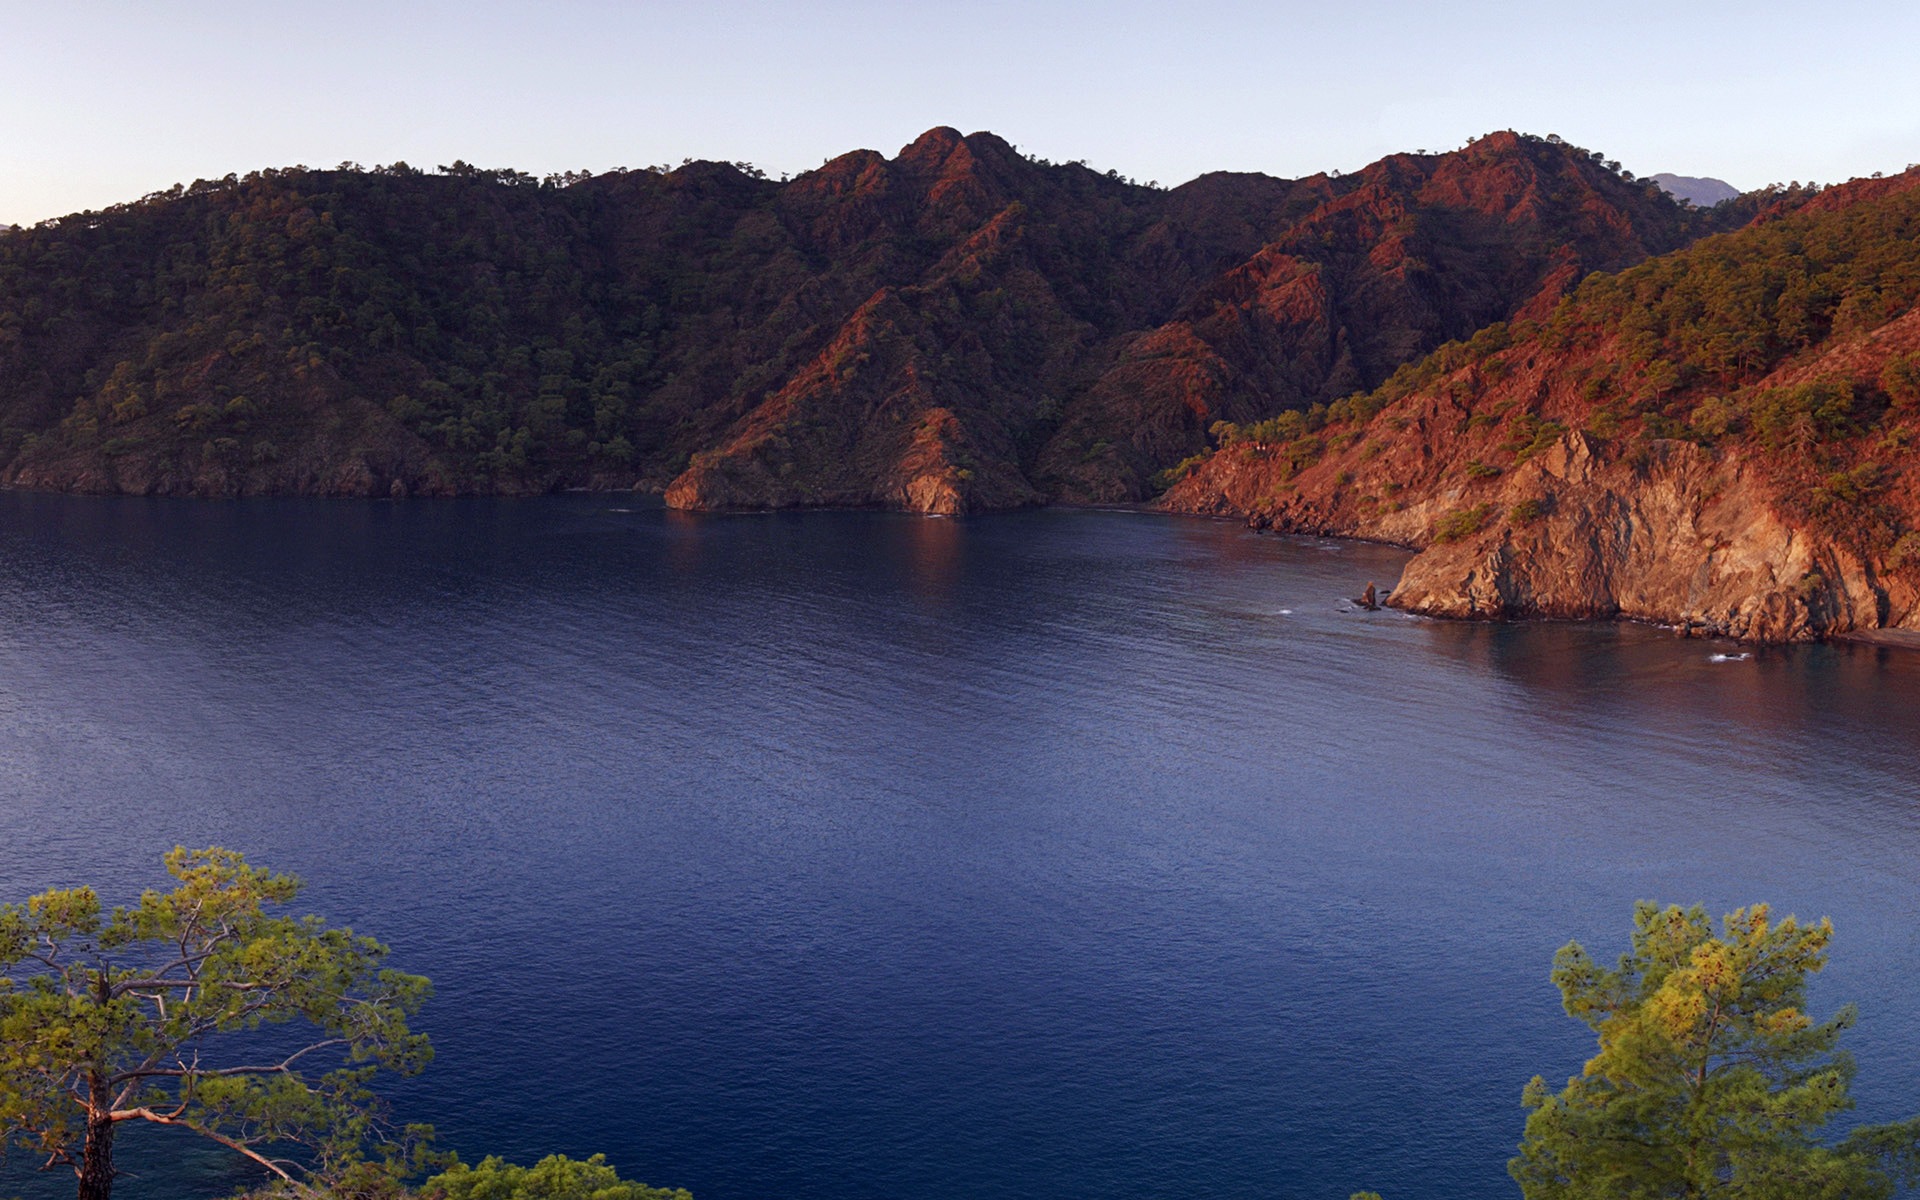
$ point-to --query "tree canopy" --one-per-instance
(1711, 1081)
(555, 1177)
(201, 1008)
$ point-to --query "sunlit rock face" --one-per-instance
(1656, 448)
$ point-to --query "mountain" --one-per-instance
(1705, 192)
(955, 328)
(1721, 439)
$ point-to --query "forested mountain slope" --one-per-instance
(1722, 438)
(956, 328)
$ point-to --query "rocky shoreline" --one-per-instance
(1683, 540)
(1677, 535)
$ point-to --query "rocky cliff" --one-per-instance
(1721, 440)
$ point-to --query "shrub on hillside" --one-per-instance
(1462, 524)
(1900, 380)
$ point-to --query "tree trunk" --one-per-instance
(96, 1161)
(96, 1155)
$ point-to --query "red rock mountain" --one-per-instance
(1722, 439)
(955, 328)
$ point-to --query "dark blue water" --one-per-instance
(851, 855)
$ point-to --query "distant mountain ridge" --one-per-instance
(953, 329)
(1704, 191)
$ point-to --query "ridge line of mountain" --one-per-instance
(958, 328)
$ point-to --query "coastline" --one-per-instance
(1395, 597)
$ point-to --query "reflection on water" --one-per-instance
(933, 558)
(865, 855)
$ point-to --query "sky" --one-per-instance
(104, 102)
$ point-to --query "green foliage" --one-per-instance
(1529, 434)
(1735, 306)
(1528, 511)
(1900, 380)
(1715, 418)
(1478, 470)
(1710, 1082)
(1283, 427)
(1358, 408)
(487, 309)
(1279, 429)
(1424, 373)
(1462, 524)
(131, 1015)
(1180, 470)
(1661, 376)
(552, 1178)
(1847, 490)
(1604, 422)
(1805, 414)
(1905, 552)
(1298, 455)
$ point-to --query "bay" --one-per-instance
(862, 855)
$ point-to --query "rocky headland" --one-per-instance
(1720, 440)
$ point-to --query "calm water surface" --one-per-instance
(851, 855)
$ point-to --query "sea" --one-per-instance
(868, 856)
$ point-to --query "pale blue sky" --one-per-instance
(101, 102)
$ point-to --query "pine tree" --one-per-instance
(1711, 1081)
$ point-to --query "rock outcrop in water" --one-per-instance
(955, 328)
(1721, 439)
